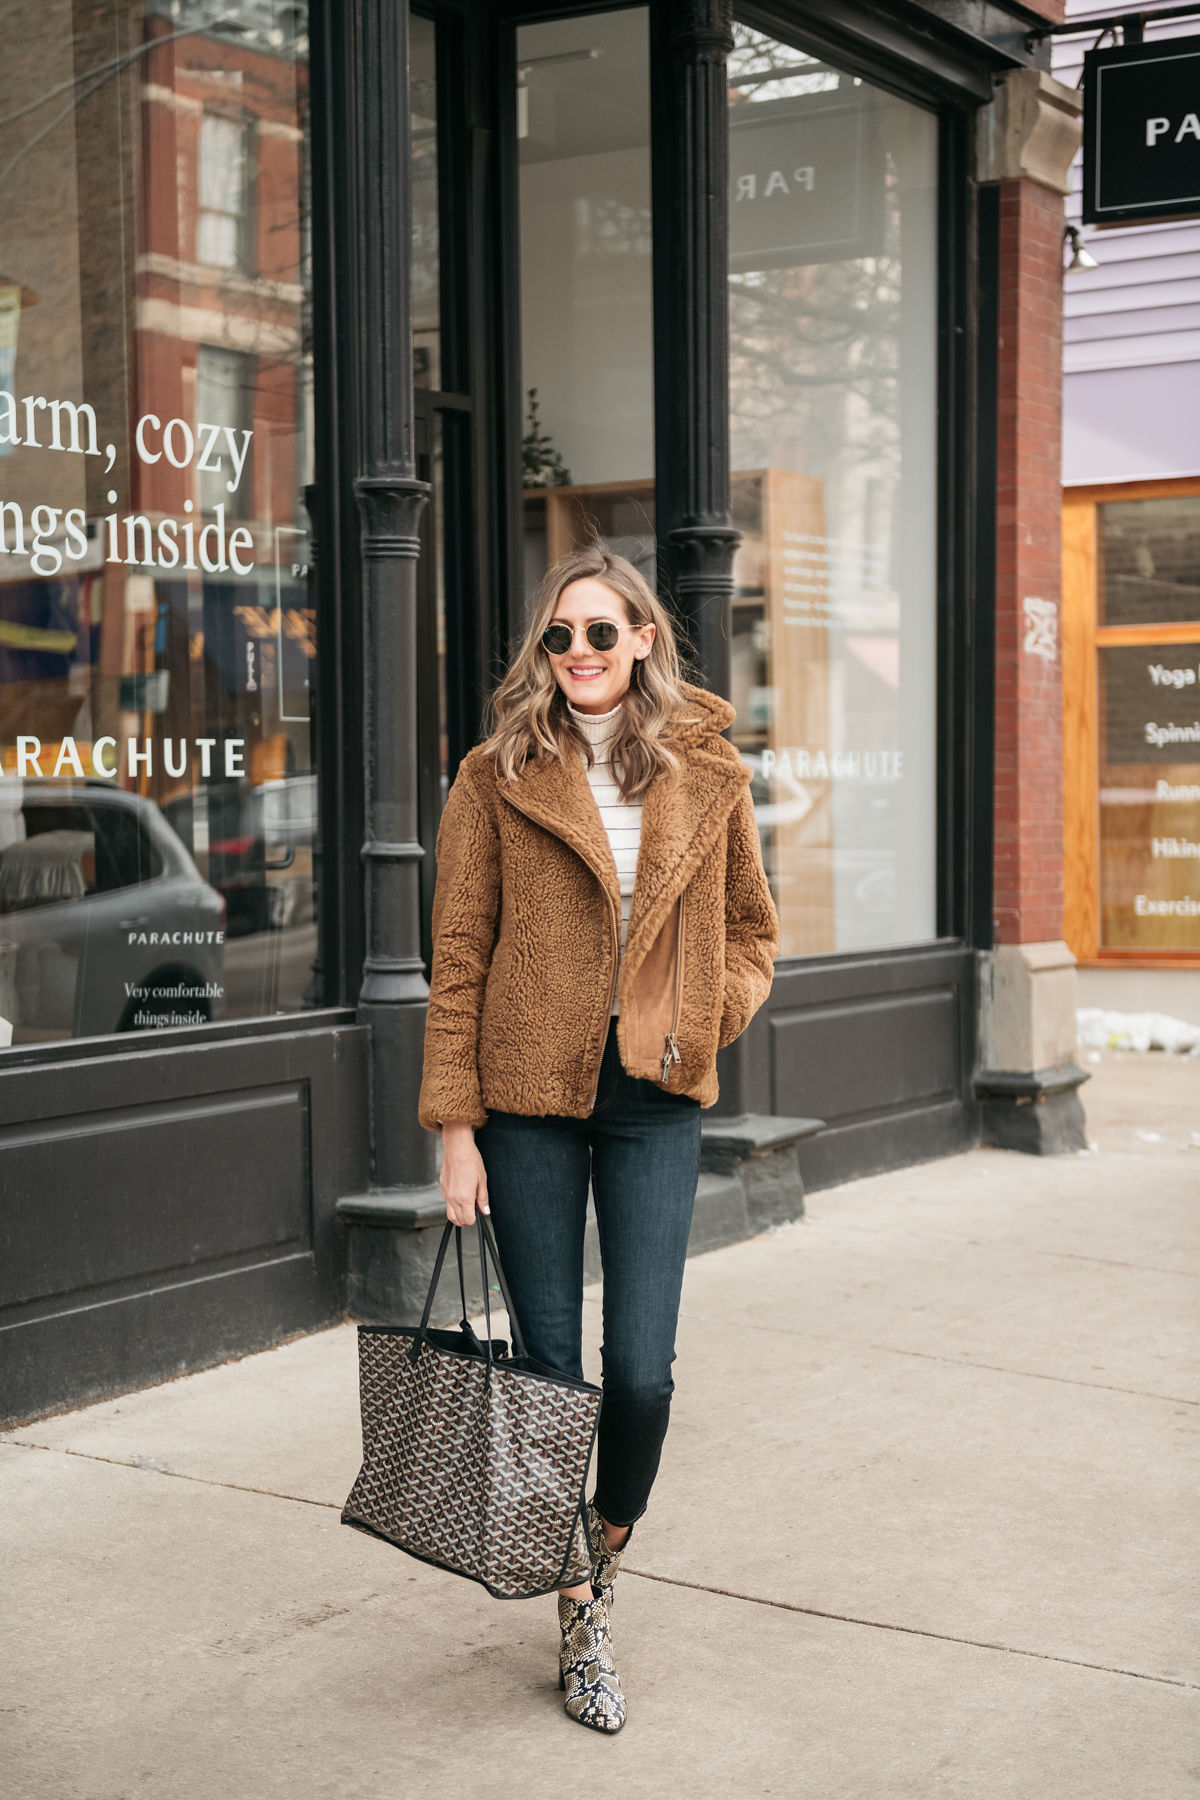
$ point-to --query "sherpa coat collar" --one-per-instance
(526, 921)
(682, 823)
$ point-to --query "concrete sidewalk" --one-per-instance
(926, 1525)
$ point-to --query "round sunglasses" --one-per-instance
(601, 634)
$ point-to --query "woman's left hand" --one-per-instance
(463, 1179)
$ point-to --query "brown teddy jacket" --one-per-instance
(526, 924)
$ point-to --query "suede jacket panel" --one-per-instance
(526, 922)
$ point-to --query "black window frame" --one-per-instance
(938, 72)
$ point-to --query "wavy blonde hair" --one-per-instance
(527, 716)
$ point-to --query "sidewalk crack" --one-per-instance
(954, 1362)
(142, 1466)
(813, 1612)
(1104, 1387)
(941, 1637)
(834, 1223)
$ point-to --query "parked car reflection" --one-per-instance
(260, 844)
(105, 922)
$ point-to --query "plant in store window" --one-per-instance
(541, 463)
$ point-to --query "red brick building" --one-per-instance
(1029, 1076)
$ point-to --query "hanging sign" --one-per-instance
(1141, 132)
(806, 181)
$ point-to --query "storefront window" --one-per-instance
(157, 631)
(583, 131)
(833, 395)
(1148, 593)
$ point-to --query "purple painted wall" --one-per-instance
(1131, 351)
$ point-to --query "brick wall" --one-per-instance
(1028, 797)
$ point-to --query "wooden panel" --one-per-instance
(87, 1352)
(569, 510)
(102, 1199)
(793, 514)
(171, 1205)
(881, 1047)
(1081, 828)
(862, 1058)
(1184, 633)
(1138, 959)
(1082, 637)
(852, 1148)
(558, 527)
(1181, 489)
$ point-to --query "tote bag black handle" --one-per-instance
(487, 1246)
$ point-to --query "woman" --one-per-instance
(602, 925)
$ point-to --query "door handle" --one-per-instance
(132, 924)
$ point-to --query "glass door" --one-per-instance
(833, 442)
(587, 361)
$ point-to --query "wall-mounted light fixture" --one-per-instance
(1081, 257)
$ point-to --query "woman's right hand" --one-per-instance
(463, 1179)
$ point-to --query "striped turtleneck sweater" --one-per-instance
(622, 822)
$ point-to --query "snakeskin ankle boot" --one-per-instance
(586, 1672)
(607, 1565)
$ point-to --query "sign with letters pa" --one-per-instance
(1141, 132)
(806, 181)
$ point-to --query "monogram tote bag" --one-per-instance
(474, 1459)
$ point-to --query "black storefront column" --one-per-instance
(691, 231)
(695, 520)
(394, 992)
(692, 353)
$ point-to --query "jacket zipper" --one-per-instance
(611, 995)
(613, 989)
(671, 1053)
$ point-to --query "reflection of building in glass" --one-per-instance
(153, 561)
(833, 193)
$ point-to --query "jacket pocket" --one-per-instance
(653, 1007)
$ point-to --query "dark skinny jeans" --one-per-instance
(640, 1146)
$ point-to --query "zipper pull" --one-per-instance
(671, 1052)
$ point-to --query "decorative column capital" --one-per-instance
(391, 507)
(1030, 131)
(704, 557)
(702, 27)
